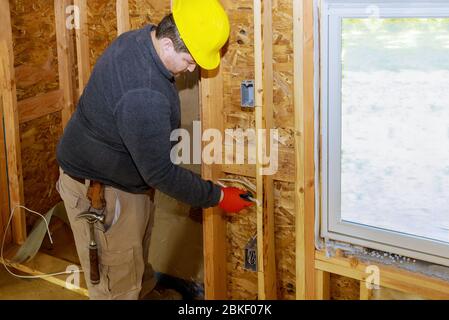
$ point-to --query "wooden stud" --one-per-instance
(11, 123)
(214, 223)
(365, 292)
(304, 147)
(39, 106)
(309, 145)
(299, 148)
(65, 59)
(258, 91)
(322, 285)
(82, 46)
(4, 199)
(269, 258)
(123, 24)
(11, 119)
(258, 87)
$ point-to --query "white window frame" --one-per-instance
(332, 227)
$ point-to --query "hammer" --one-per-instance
(92, 218)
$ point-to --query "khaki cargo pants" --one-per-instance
(123, 241)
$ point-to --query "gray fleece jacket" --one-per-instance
(120, 131)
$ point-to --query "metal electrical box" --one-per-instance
(247, 94)
(251, 255)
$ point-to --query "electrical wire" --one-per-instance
(51, 241)
(249, 185)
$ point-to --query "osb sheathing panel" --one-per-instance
(34, 41)
(242, 283)
(284, 228)
(343, 288)
(238, 62)
(283, 71)
(39, 138)
(238, 65)
(102, 25)
(102, 21)
(147, 11)
(36, 72)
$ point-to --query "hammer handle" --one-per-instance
(94, 270)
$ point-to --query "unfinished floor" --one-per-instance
(13, 288)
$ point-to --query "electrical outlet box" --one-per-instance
(251, 255)
(247, 94)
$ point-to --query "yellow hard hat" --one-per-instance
(204, 27)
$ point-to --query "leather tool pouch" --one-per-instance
(95, 194)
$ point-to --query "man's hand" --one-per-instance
(231, 200)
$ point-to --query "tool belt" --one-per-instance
(97, 190)
(95, 194)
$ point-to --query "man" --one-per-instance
(119, 137)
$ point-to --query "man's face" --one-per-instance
(176, 62)
(182, 62)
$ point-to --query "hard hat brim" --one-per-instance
(207, 62)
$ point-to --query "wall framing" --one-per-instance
(11, 123)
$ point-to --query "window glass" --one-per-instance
(395, 125)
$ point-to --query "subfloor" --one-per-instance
(13, 288)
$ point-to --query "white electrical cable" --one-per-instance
(221, 184)
(51, 241)
(247, 184)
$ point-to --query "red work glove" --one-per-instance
(232, 202)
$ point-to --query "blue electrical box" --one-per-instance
(247, 94)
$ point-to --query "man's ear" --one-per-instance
(167, 45)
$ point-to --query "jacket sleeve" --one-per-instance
(143, 120)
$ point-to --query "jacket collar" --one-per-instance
(145, 39)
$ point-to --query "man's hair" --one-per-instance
(167, 29)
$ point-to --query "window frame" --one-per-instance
(332, 227)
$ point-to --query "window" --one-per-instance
(385, 125)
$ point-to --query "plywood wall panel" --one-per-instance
(147, 12)
(102, 25)
(343, 288)
(39, 138)
(34, 41)
(241, 227)
(36, 71)
(283, 63)
(284, 213)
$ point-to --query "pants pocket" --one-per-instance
(72, 197)
(119, 270)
